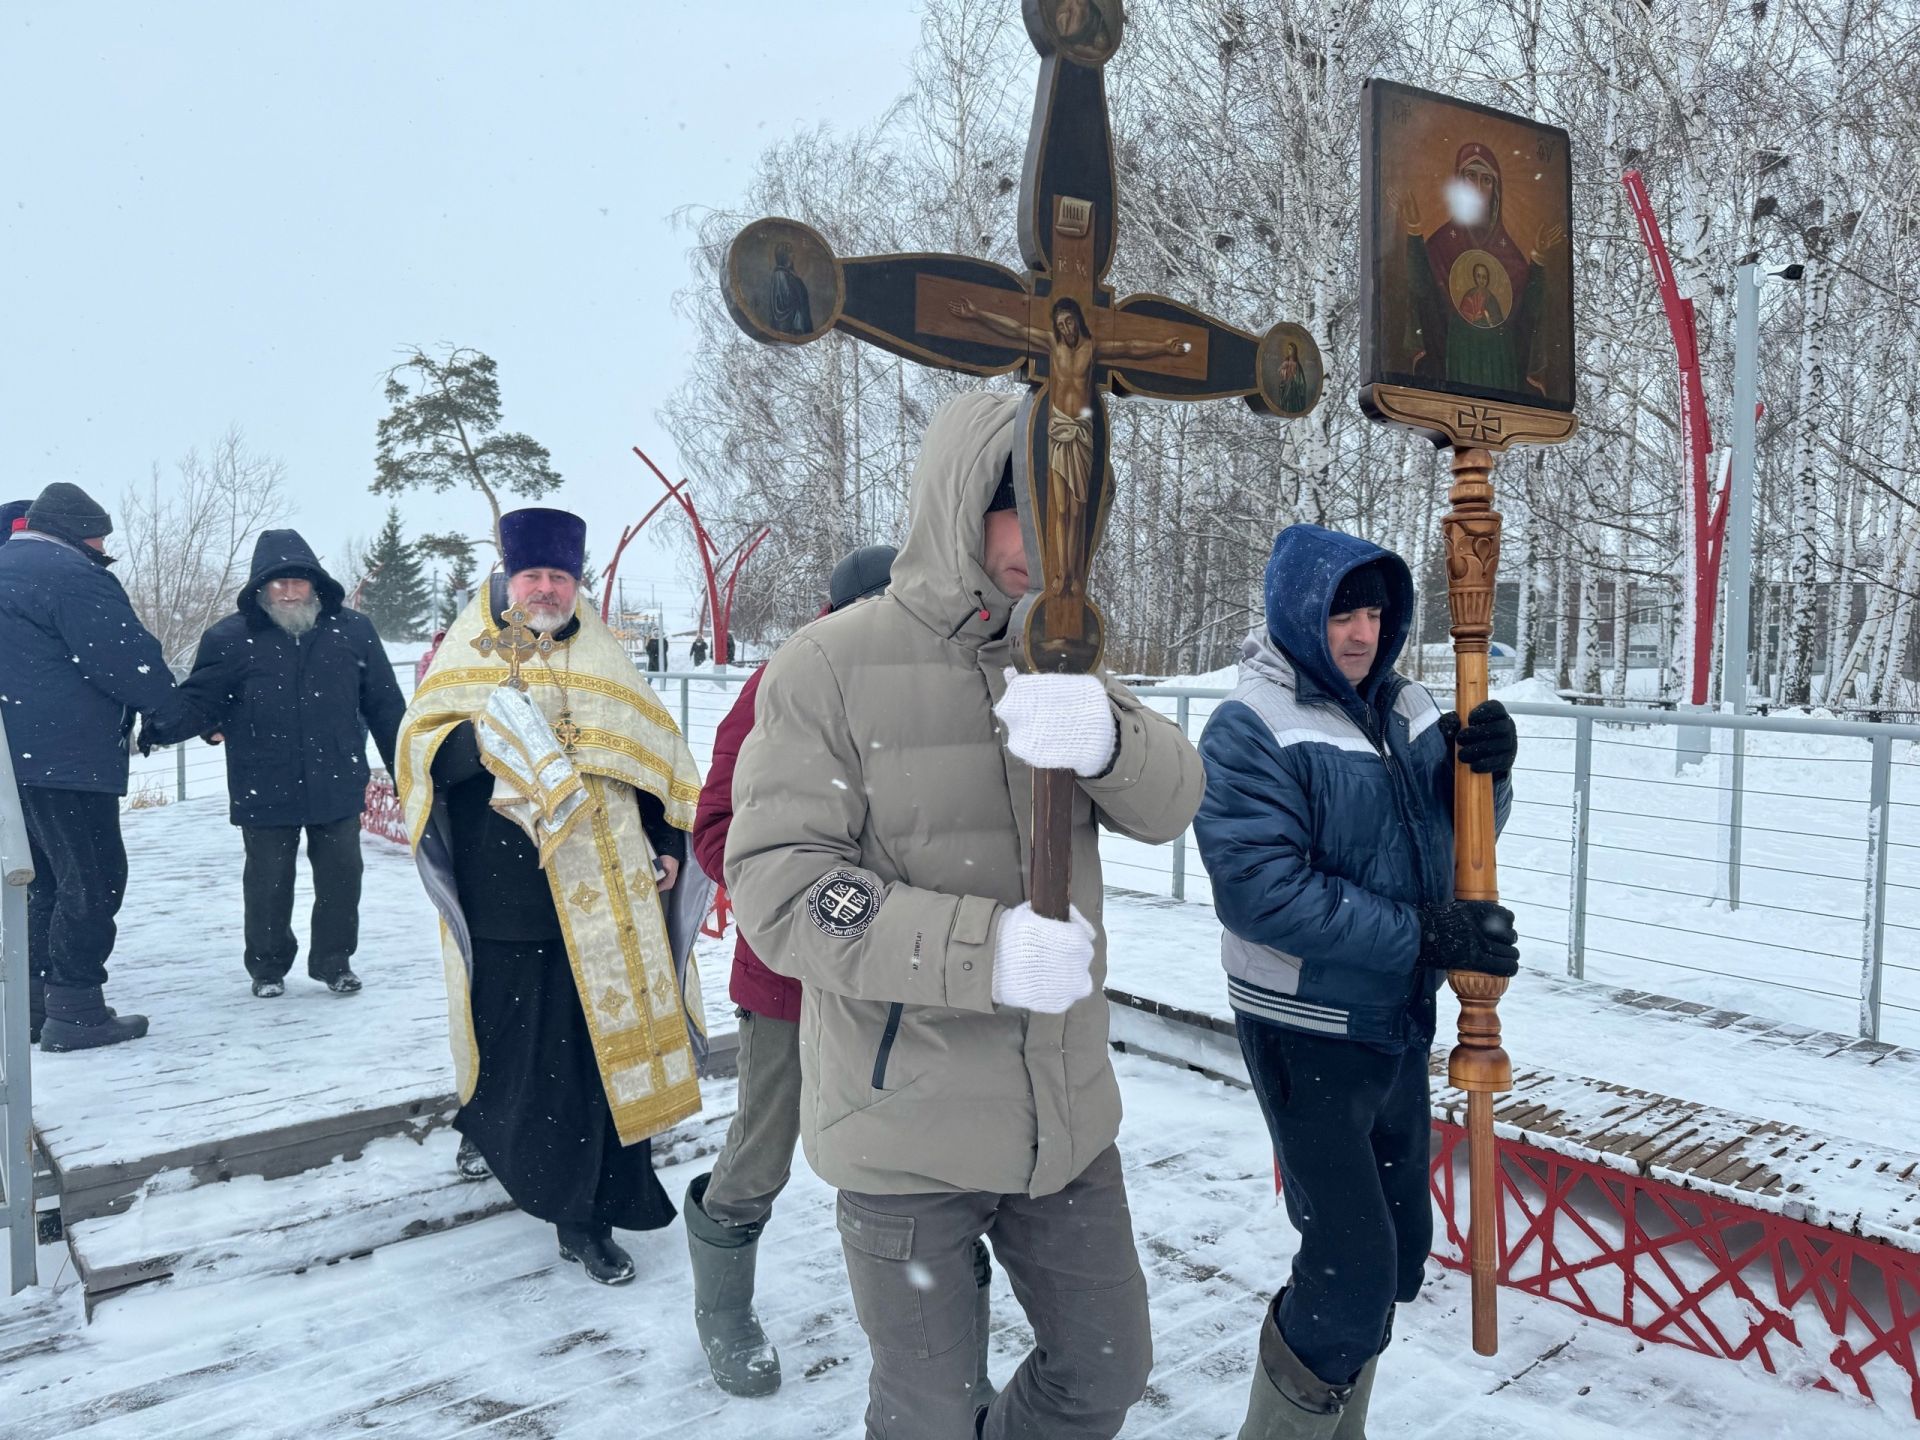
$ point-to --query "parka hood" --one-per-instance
(938, 574)
(1306, 568)
(279, 555)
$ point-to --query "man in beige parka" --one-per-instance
(956, 1079)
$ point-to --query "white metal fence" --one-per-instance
(1769, 864)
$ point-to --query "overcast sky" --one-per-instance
(225, 213)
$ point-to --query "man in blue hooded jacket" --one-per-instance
(1327, 830)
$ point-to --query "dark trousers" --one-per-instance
(1352, 1129)
(79, 879)
(273, 851)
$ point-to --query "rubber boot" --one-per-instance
(1353, 1419)
(741, 1357)
(78, 1019)
(983, 1391)
(36, 1007)
(1289, 1401)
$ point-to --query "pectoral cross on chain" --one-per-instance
(516, 642)
(1059, 324)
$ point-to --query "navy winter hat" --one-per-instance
(1003, 498)
(13, 516)
(1362, 588)
(541, 539)
(67, 512)
(861, 573)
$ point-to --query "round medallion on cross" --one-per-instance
(1086, 32)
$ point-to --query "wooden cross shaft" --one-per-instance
(1059, 324)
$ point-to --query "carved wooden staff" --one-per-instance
(1467, 338)
(1477, 1064)
(1057, 323)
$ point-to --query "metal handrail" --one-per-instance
(16, 1075)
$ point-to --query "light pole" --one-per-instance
(1739, 541)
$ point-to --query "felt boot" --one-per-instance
(78, 1019)
(741, 1357)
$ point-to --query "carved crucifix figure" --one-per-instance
(1059, 324)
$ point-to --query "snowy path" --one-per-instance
(482, 1332)
(220, 1063)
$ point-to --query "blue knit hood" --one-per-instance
(1306, 568)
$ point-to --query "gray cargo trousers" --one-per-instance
(1072, 1263)
(755, 1162)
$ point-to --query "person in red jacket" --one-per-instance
(727, 1208)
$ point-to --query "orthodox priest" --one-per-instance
(547, 795)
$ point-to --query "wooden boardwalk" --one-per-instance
(229, 1089)
(481, 1332)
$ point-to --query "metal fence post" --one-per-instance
(1577, 862)
(180, 771)
(1734, 812)
(1180, 840)
(1874, 942)
(16, 1075)
(685, 686)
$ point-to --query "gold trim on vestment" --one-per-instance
(620, 953)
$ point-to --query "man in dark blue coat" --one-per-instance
(292, 683)
(13, 516)
(76, 665)
(1327, 830)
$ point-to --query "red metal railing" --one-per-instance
(1678, 1267)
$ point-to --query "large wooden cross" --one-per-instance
(1059, 324)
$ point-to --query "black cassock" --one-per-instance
(539, 1112)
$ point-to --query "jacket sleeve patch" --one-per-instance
(842, 903)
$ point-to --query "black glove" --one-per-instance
(1470, 935)
(1489, 743)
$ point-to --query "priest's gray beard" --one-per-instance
(296, 617)
(547, 618)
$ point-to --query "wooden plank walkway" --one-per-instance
(227, 1085)
(481, 1332)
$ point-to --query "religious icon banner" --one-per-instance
(1467, 270)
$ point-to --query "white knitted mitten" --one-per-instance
(1059, 722)
(1040, 964)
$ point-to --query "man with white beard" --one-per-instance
(547, 794)
(292, 683)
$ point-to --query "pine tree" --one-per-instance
(395, 595)
(457, 553)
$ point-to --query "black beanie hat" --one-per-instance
(1361, 589)
(68, 513)
(1003, 498)
(860, 574)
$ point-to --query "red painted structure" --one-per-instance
(382, 816)
(1708, 525)
(710, 556)
(626, 538)
(1679, 1267)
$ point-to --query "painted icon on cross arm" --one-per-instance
(783, 283)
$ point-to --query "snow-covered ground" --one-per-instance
(481, 1331)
